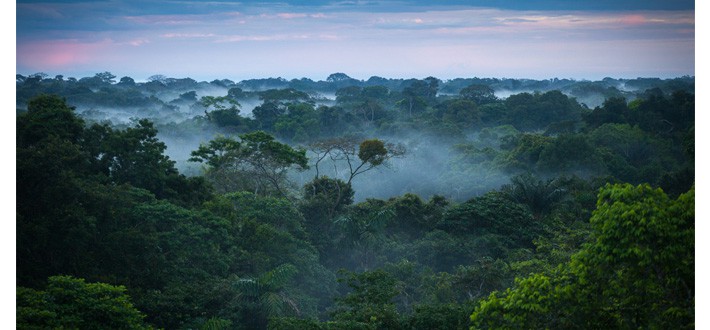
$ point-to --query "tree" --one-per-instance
(266, 296)
(267, 114)
(440, 317)
(71, 303)
(481, 94)
(223, 110)
(540, 196)
(336, 77)
(284, 96)
(418, 93)
(365, 101)
(413, 216)
(158, 78)
(235, 93)
(522, 151)
(188, 96)
(48, 116)
(257, 162)
(106, 77)
(323, 199)
(493, 222)
(570, 153)
(536, 111)
(134, 155)
(637, 271)
(362, 231)
(462, 113)
(370, 301)
(299, 123)
(358, 157)
(613, 110)
(127, 81)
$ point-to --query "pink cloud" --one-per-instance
(636, 19)
(58, 54)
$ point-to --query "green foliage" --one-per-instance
(494, 214)
(462, 113)
(134, 155)
(522, 152)
(104, 203)
(440, 317)
(333, 193)
(300, 123)
(266, 296)
(219, 103)
(71, 303)
(276, 212)
(372, 151)
(540, 196)
(267, 114)
(324, 199)
(262, 146)
(637, 272)
(218, 152)
(481, 94)
(362, 231)
(414, 217)
(48, 116)
(370, 302)
(569, 153)
(443, 251)
(257, 162)
(216, 324)
(614, 110)
(536, 111)
(285, 96)
(288, 323)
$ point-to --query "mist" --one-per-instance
(431, 165)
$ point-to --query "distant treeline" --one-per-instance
(69, 86)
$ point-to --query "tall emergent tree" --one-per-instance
(357, 157)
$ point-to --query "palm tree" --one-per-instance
(267, 296)
(540, 196)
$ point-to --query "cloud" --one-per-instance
(138, 42)
(291, 15)
(39, 11)
(188, 35)
(598, 20)
(278, 37)
(58, 54)
(165, 19)
(388, 38)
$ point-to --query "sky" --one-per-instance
(206, 40)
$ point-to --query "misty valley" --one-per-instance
(468, 203)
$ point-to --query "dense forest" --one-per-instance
(470, 203)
